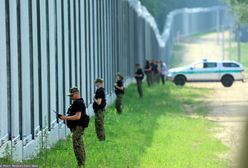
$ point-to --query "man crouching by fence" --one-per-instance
(77, 120)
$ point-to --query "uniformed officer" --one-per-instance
(157, 71)
(76, 122)
(139, 76)
(98, 106)
(148, 72)
(119, 91)
(154, 68)
(164, 71)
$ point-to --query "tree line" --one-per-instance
(240, 8)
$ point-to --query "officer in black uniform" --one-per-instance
(119, 91)
(139, 76)
(77, 120)
(99, 106)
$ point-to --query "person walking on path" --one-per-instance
(139, 76)
(77, 120)
(148, 72)
(164, 71)
(119, 91)
(99, 106)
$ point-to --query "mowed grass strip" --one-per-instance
(153, 132)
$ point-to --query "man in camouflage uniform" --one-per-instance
(98, 106)
(119, 91)
(76, 122)
(139, 76)
(148, 72)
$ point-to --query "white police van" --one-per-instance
(225, 72)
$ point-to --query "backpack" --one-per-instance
(123, 91)
(86, 120)
(143, 75)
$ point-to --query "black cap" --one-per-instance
(119, 74)
(72, 91)
(99, 80)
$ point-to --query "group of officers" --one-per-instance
(155, 72)
(77, 119)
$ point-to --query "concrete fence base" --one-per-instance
(25, 149)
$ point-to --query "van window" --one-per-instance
(210, 65)
(230, 65)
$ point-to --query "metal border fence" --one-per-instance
(48, 46)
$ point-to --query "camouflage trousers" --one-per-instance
(118, 103)
(99, 124)
(157, 76)
(153, 77)
(78, 145)
(139, 88)
(149, 78)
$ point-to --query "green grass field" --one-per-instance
(153, 132)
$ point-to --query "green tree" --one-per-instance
(240, 8)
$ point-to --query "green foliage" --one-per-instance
(7, 159)
(240, 9)
(152, 132)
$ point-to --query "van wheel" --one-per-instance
(180, 80)
(227, 81)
